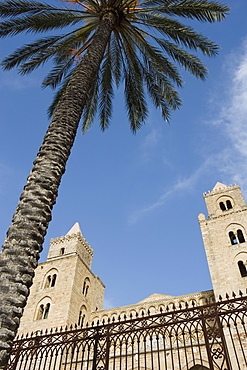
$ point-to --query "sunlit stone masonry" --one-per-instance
(65, 290)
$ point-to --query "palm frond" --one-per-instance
(20, 55)
(202, 10)
(179, 33)
(58, 72)
(12, 8)
(135, 101)
(41, 22)
(153, 56)
(90, 108)
(106, 91)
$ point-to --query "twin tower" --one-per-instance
(65, 290)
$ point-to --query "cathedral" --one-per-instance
(66, 292)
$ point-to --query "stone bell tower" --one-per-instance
(224, 235)
(65, 291)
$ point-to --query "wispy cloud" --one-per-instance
(14, 82)
(233, 118)
(182, 185)
(230, 123)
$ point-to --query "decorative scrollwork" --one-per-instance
(217, 353)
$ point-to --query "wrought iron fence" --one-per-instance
(212, 336)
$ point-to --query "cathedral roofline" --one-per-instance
(219, 188)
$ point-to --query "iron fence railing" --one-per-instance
(213, 336)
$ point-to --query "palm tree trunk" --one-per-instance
(20, 251)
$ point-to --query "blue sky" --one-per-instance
(137, 197)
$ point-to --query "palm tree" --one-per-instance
(106, 43)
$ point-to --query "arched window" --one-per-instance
(82, 315)
(81, 318)
(242, 268)
(50, 278)
(46, 311)
(233, 238)
(228, 204)
(85, 286)
(48, 281)
(43, 311)
(240, 236)
(225, 205)
(222, 206)
(40, 312)
(53, 280)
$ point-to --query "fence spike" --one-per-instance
(136, 314)
(109, 320)
(149, 313)
(186, 304)
(227, 296)
(87, 325)
(233, 294)
(61, 329)
(119, 318)
(98, 323)
(220, 298)
(103, 321)
(113, 319)
(167, 308)
(180, 306)
(131, 315)
(125, 317)
(240, 293)
(193, 303)
(173, 306)
(161, 310)
(66, 328)
(51, 330)
(92, 323)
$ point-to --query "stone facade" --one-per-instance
(224, 236)
(65, 290)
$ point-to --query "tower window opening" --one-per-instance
(233, 238)
(240, 236)
(225, 206)
(85, 287)
(53, 280)
(43, 311)
(222, 206)
(50, 281)
(81, 318)
(62, 250)
(86, 291)
(228, 204)
(46, 311)
(242, 268)
(40, 312)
